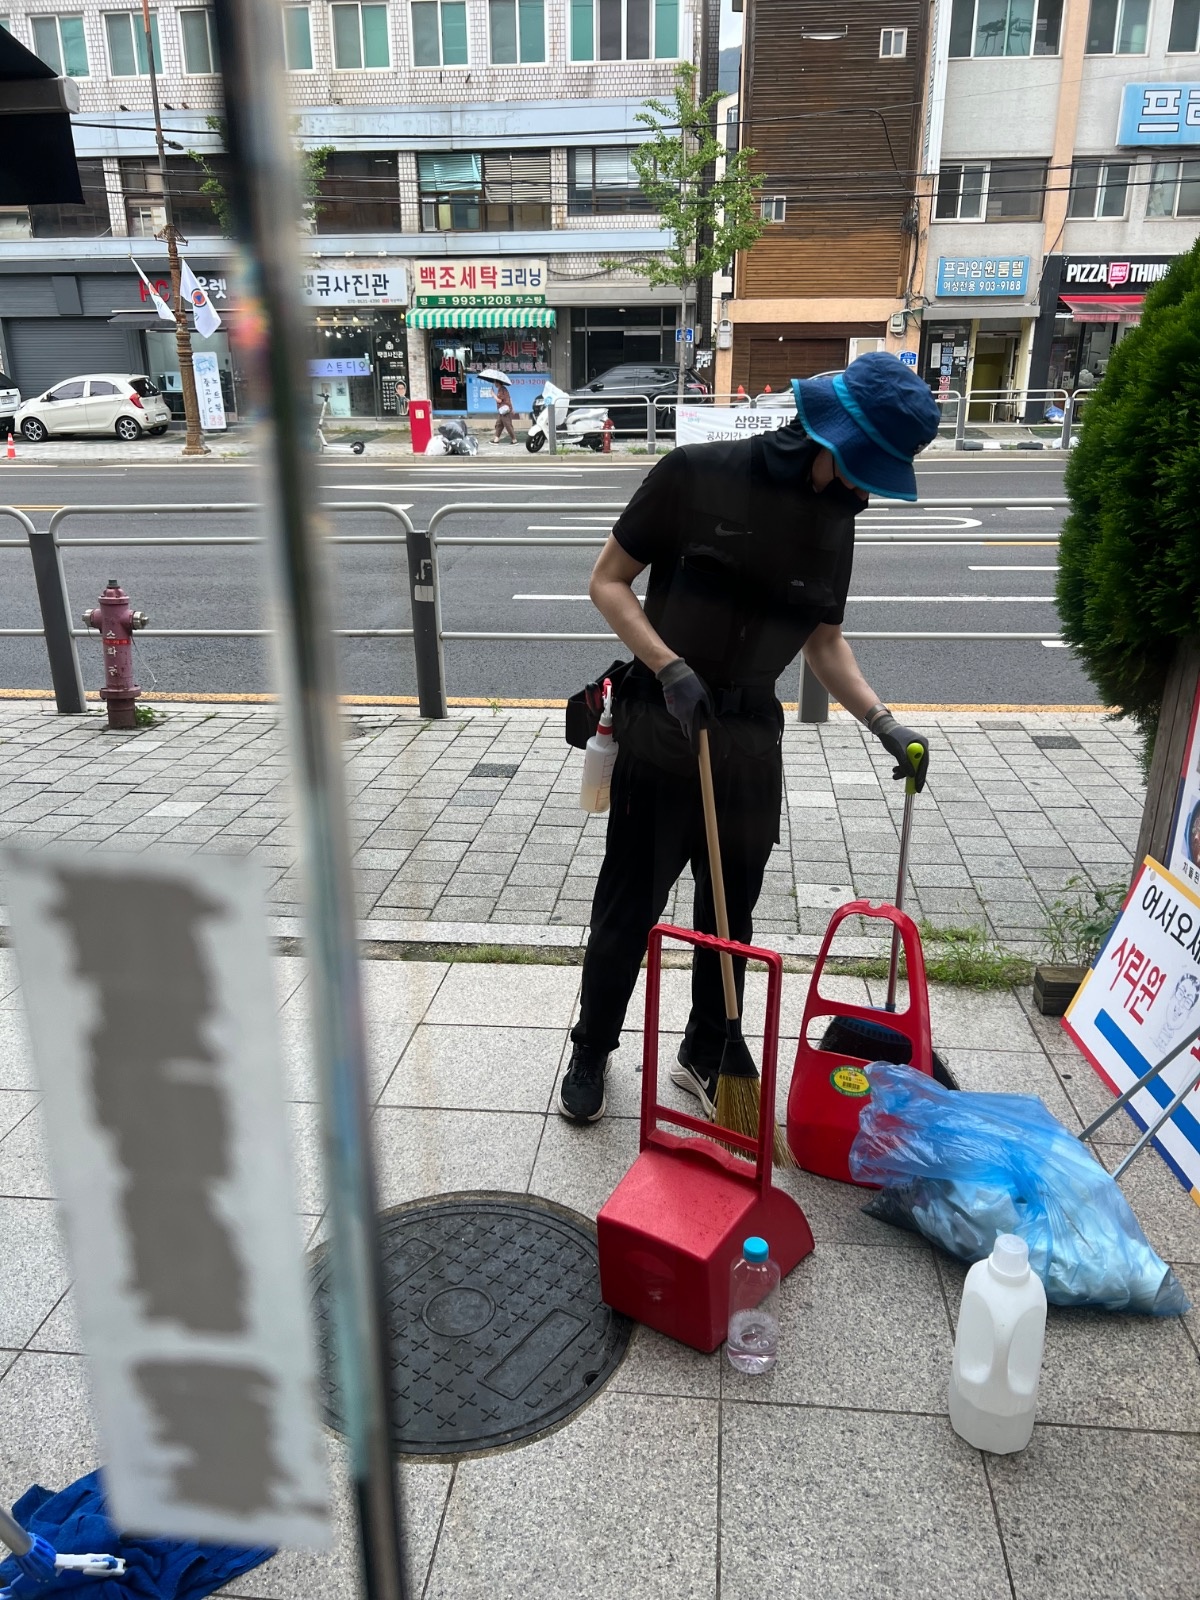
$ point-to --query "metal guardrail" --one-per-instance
(422, 545)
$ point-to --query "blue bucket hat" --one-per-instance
(874, 418)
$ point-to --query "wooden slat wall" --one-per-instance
(847, 196)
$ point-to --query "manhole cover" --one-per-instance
(1056, 741)
(496, 1326)
(494, 769)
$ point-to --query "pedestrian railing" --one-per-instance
(422, 547)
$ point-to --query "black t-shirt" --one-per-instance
(745, 558)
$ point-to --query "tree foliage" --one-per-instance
(1129, 562)
(709, 218)
(312, 170)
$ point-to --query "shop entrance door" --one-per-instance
(992, 376)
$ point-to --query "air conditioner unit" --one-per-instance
(862, 347)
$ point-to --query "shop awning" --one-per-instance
(1112, 308)
(481, 317)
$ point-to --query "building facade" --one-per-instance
(475, 191)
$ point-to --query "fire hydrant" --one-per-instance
(117, 623)
(606, 429)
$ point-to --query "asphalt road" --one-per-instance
(908, 585)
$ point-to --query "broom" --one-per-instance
(738, 1099)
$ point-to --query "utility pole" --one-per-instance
(193, 444)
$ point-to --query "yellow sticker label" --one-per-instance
(851, 1081)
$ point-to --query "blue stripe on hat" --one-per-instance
(842, 389)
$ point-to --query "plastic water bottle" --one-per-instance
(599, 759)
(998, 1350)
(753, 1342)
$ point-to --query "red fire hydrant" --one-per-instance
(607, 430)
(116, 623)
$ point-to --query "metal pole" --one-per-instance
(901, 882)
(265, 199)
(193, 443)
(1153, 1129)
(1068, 419)
(552, 428)
(960, 422)
(1140, 1083)
(424, 590)
(813, 696)
(652, 425)
(56, 619)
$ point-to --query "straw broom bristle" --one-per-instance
(738, 1109)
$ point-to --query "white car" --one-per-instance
(100, 402)
(10, 399)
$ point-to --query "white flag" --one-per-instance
(207, 320)
(160, 304)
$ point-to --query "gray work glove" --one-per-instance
(895, 739)
(687, 698)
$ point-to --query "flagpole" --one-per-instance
(193, 444)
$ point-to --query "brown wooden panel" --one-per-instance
(864, 261)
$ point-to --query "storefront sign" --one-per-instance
(1183, 855)
(702, 424)
(481, 282)
(1113, 272)
(344, 367)
(1134, 1006)
(208, 390)
(354, 283)
(979, 276)
(215, 288)
(1159, 113)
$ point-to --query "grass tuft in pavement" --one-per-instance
(965, 957)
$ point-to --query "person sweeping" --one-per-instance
(750, 547)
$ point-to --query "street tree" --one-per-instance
(313, 163)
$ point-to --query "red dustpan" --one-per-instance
(672, 1228)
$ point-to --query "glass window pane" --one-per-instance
(194, 25)
(1160, 202)
(533, 30)
(1116, 187)
(503, 21)
(991, 23)
(610, 29)
(666, 29)
(139, 42)
(347, 41)
(454, 33)
(120, 44)
(637, 30)
(1085, 182)
(297, 39)
(972, 192)
(1102, 27)
(45, 42)
(583, 47)
(962, 27)
(1019, 41)
(1048, 27)
(1131, 39)
(949, 184)
(453, 172)
(376, 51)
(1189, 190)
(1185, 26)
(427, 48)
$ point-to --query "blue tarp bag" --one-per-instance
(961, 1168)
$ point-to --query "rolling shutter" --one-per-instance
(44, 350)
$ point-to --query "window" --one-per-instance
(297, 39)
(439, 30)
(191, 211)
(1174, 189)
(463, 193)
(893, 42)
(60, 43)
(1185, 27)
(199, 41)
(733, 130)
(6, 24)
(127, 44)
(1008, 191)
(360, 37)
(518, 29)
(1098, 189)
(87, 221)
(1005, 27)
(602, 183)
(67, 391)
(360, 193)
(774, 208)
(100, 386)
(624, 30)
(1118, 27)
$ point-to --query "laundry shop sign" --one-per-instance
(487, 281)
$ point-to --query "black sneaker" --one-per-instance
(698, 1082)
(581, 1093)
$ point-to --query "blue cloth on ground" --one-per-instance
(74, 1521)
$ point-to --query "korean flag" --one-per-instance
(207, 320)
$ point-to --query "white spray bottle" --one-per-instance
(599, 759)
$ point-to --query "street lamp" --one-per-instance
(193, 444)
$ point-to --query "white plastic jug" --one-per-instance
(998, 1350)
(599, 759)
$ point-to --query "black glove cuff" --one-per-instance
(880, 721)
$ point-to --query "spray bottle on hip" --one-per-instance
(599, 759)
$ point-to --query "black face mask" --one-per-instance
(789, 455)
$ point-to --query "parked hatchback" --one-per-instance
(637, 378)
(10, 399)
(101, 402)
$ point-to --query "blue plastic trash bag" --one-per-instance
(961, 1168)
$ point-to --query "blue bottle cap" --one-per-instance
(755, 1249)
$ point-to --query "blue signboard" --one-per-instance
(976, 277)
(523, 386)
(1159, 113)
(909, 357)
(341, 367)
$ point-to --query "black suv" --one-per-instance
(636, 378)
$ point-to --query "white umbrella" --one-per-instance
(494, 375)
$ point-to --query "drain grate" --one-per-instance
(1056, 741)
(496, 1327)
(494, 769)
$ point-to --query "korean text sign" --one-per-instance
(481, 282)
(1159, 113)
(977, 276)
(702, 424)
(1140, 1000)
(353, 283)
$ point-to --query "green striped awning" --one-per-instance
(481, 317)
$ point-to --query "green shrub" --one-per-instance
(1129, 563)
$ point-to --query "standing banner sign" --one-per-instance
(208, 391)
(152, 1012)
(703, 424)
(1183, 854)
(1135, 1004)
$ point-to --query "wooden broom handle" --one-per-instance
(714, 872)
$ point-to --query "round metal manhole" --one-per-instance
(496, 1327)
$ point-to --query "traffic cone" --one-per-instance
(766, 388)
(12, 449)
(741, 389)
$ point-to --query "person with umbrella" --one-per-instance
(504, 404)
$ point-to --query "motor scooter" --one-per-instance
(582, 425)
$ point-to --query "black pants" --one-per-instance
(655, 828)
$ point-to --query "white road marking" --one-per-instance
(569, 527)
(937, 524)
(1012, 569)
(1054, 644)
(1032, 508)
